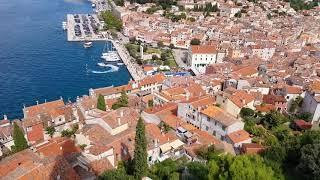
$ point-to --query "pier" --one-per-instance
(84, 27)
(134, 69)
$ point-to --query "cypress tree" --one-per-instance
(20, 142)
(140, 164)
(101, 104)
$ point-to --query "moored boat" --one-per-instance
(64, 25)
(87, 44)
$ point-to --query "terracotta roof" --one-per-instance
(155, 79)
(252, 148)
(272, 99)
(239, 136)
(205, 101)
(302, 124)
(265, 108)
(51, 108)
(100, 166)
(241, 98)
(58, 146)
(293, 90)
(172, 120)
(29, 165)
(112, 90)
(203, 49)
(247, 71)
(220, 115)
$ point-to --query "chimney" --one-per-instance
(119, 121)
(121, 113)
(5, 117)
(243, 101)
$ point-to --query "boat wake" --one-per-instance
(112, 69)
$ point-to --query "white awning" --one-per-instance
(165, 147)
(177, 143)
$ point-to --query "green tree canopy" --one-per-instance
(246, 112)
(50, 130)
(273, 119)
(250, 167)
(111, 21)
(123, 101)
(20, 142)
(310, 161)
(101, 104)
(140, 164)
(195, 41)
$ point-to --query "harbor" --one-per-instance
(88, 28)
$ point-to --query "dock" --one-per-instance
(84, 27)
(134, 69)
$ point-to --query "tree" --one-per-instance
(119, 173)
(111, 21)
(50, 131)
(101, 104)
(246, 112)
(195, 41)
(160, 44)
(140, 151)
(122, 101)
(250, 167)
(171, 46)
(20, 142)
(273, 119)
(310, 161)
(305, 116)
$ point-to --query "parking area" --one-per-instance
(84, 27)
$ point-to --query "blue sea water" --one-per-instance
(36, 61)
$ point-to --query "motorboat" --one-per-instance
(120, 64)
(102, 65)
(93, 5)
(87, 44)
(64, 25)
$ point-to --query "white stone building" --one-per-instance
(200, 56)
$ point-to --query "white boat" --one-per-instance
(111, 56)
(93, 5)
(120, 64)
(102, 65)
(64, 25)
(87, 44)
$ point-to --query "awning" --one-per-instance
(177, 143)
(165, 147)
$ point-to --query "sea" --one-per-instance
(36, 61)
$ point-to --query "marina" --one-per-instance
(52, 66)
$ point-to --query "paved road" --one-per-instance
(181, 57)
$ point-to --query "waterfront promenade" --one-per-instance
(134, 69)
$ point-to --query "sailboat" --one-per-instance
(110, 55)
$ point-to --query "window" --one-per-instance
(208, 119)
(207, 128)
(288, 97)
(223, 127)
(29, 129)
(214, 133)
